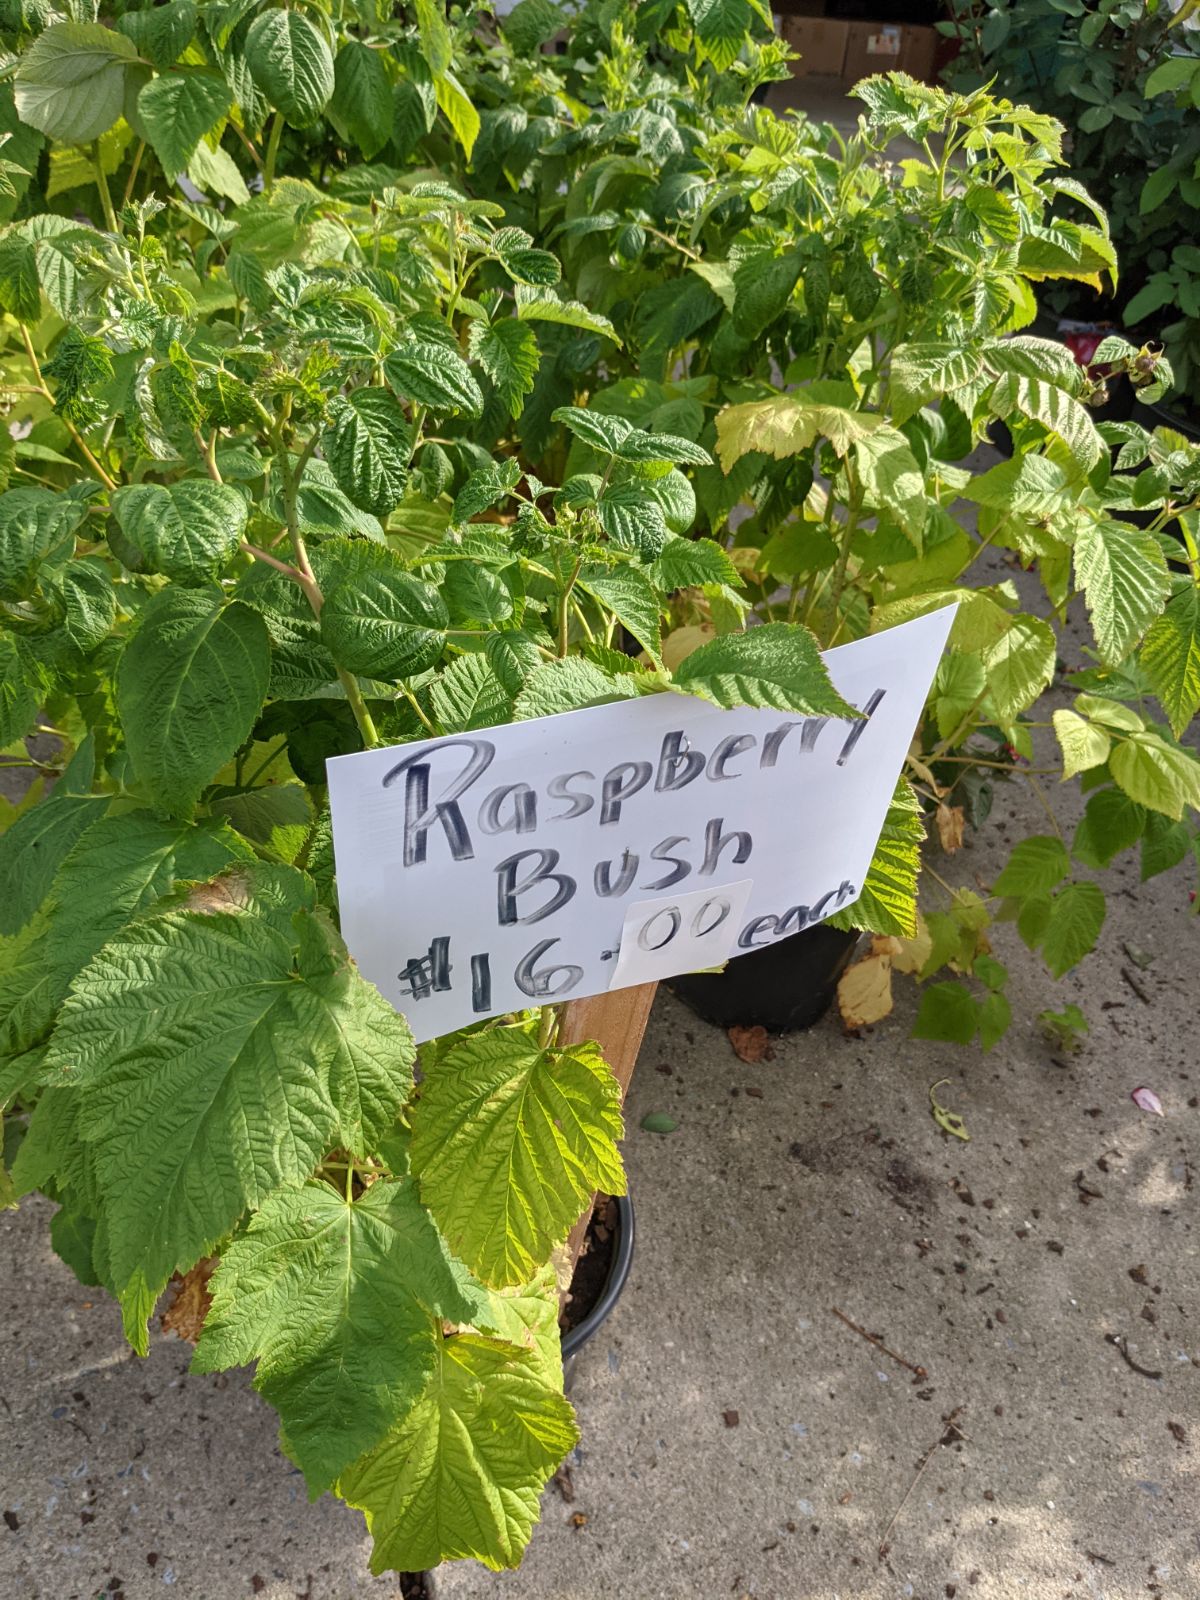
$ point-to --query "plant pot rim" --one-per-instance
(618, 1273)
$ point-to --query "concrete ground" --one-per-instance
(1004, 1266)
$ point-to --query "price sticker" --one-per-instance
(680, 933)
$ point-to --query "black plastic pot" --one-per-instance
(618, 1272)
(783, 987)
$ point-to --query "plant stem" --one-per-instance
(248, 783)
(272, 152)
(853, 509)
(416, 705)
(564, 610)
(945, 744)
(209, 451)
(547, 1026)
(110, 216)
(133, 172)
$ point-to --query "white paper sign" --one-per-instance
(485, 872)
(680, 933)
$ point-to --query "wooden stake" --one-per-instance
(617, 1022)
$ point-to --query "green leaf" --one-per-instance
(1124, 576)
(569, 685)
(684, 562)
(161, 33)
(70, 83)
(892, 480)
(1019, 665)
(995, 1015)
(470, 695)
(191, 1123)
(340, 1304)
(1164, 845)
(508, 352)
(633, 519)
(629, 595)
(777, 665)
(276, 817)
(924, 371)
(763, 286)
(20, 691)
(177, 109)
(188, 530)
(214, 171)
(787, 424)
(888, 902)
(948, 1012)
(118, 866)
(361, 107)
(509, 1142)
(433, 375)
(603, 432)
(1170, 658)
(1083, 745)
(35, 846)
(722, 27)
(32, 523)
(523, 263)
(1056, 410)
(383, 622)
(189, 685)
(1035, 865)
(368, 445)
(487, 487)
(89, 604)
(20, 285)
(1175, 72)
(458, 109)
(567, 313)
(291, 64)
(1111, 822)
(475, 594)
(1156, 774)
(1076, 917)
(462, 1475)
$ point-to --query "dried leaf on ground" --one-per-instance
(864, 991)
(950, 821)
(751, 1045)
(186, 1313)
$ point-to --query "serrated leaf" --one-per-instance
(569, 685)
(948, 1013)
(629, 595)
(1059, 412)
(1035, 865)
(1111, 822)
(469, 695)
(1019, 665)
(188, 530)
(1170, 658)
(291, 64)
(368, 445)
(189, 1123)
(787, 424)
(383, 622)
(161, 33)
(1083, 745)
(567, 313)
(722, 27)
(35, 846)
(596, 428)
(892, 480)
(509, 1142)
(276, 817)
(361, 108)
(633, 519)
(115, 869)
(434, 376)
(1123, 573)
(89, 604)
(763, 286)
(513, 657)
(70, 83)
(32, 523)
(1156, 774)
(340, 1304)
(1076, 917)
(475, 594)
(508, 352)
(177, 109)
(462, 1475)
(21, 691)
(888, 901)
(189, 685)
(778, 664)
(458, 109)
(684, 562)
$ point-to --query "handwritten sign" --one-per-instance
(541, 861)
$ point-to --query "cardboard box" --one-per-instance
(800, 8)
(820, 42)
(873, 47)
